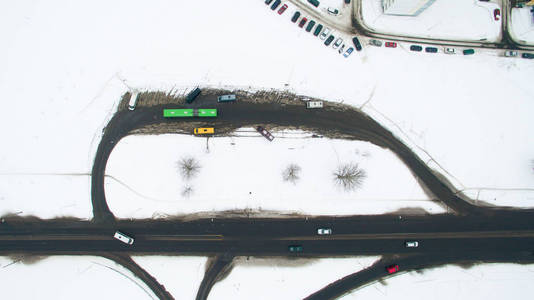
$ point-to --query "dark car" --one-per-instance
(527, 55)
(265, 133)
(469, 51)
(329, 40)
(318, 30)
(314, 2)
(275, 4)
(282, 9)
(192, 95)
(295, 17)
(356, 43)
(416, 48)
(268, 2)
(295, 248)
(310, 26)
(302, 22)
(431, 49)
(347, 1)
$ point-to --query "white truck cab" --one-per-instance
(133, 101)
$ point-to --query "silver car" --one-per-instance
(325, 33)
(324, 231)
(337, 43)
(510, 53)
(341, 49)
(450, 51)
(376, 43)
(412, 244)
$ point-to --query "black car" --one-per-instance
(310, 26)
(527, 55)
(356, 43)
(431, 49)
(295, 17)
(329, 40)
(416, 48)
(347, 1)
(275, 4)
(268, 2)
(318, 30)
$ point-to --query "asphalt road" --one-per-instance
(330, 121)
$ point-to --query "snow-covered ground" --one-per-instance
(522, 25)
(181, 275)
(485, 281)
(70, 277)
(246, 173)
(450, 19)
(258, 278)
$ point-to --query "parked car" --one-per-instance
(337, 43)
(314, 2)
(333, 11)
(268, 2)
(376, 43)
(341, 49)
(318, 30)
(302, 22)
(416, 48)
(391, 44)
(356, 43)
(325, 33)
(329, 40)
(265, 133)
(226, 98)
(275, 4)
(510, 53)
(314, 104)
(282, 9)
(310, 26)
(192, 95)
(412, 244)
(497, 14)
(295, 248)
(392, 269)
(295, 17)
(324, 231)
(450, 50)
(469, 51)
(431, 49)
(208, 130)
(527, 55)
(348, 52)
(347, 1)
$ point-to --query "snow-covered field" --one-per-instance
(450, 19)
(522, 25)
(246, 173)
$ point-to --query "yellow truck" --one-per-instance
(200, 131)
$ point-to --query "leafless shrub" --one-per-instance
(187, 191)
(291, 173)
(349, 176)
(188, 167)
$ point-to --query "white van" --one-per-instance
(133, 101)
(314, 104)
(123, 238)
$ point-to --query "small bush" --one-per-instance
(349, 176)
(291, 173)
(187, 191)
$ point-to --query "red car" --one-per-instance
(497, 14)
(391, 44)
(302, 22)
(392, 269)
(282, 9)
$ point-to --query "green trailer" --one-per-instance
(189, 113)
(170, 113)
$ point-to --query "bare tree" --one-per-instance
(188, 167)
(187, 191)
(291, 173)
(349, 176)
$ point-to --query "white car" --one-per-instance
(450, 51)
(123, 238)
(333, 11)
(412, 244)
(337, 43)
(510, 53)
(325, 33)
(341, 49)
(324, 231)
